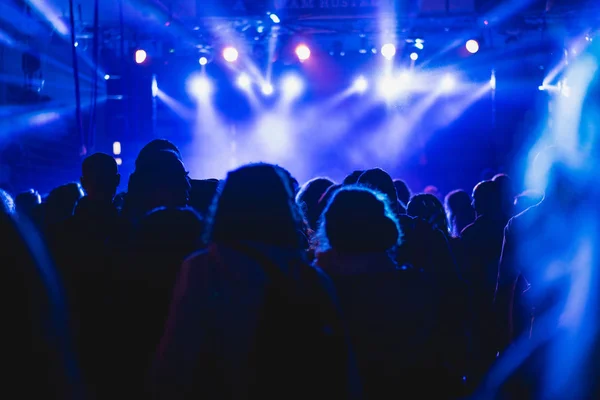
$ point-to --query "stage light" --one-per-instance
(119, 161)
(106, 77)
(541, 87)
(360, 85)
(203, 60)
(230, 54)
(200, 86)
(140, 56)
(292, 85)
(274, 18)
(154, 86)
(76, 44)
(243, 81)
(414, 56)
(388, 87)
(117, 148)
(388, 50)
(419, 45)
(267, 89)
(472, 46)
(448, 83)
(303, 52)
(493, 80)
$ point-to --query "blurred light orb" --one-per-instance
(200, 86)
(106, 77)
(292, 85)
(448, 83)
(230, 54)
(303, 52)
(360, 84)
(472, 46)
(414, 56)
(419, 45)
(267, 89)
(388, 87)
(140, 56)
(243, 81)
(275, 18)
(203, 60)
(388, 50)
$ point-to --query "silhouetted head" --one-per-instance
(507, 193)
(382, 182)
(402, 191)
(61, 202)
(256, 204)
(358, 220)
(308, 199)
(429, 208)
(6, 202)
(153, 147)
(160, 180)
(487, 199)
(324, 200)
(99, 177)
(353, 177)
(459, 211)
(26, 202)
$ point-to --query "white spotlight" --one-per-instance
(275, 18)
(414, 56)
(154, 86)
(388, 50)
(243, 81)
(493, 80)
(360, 84)
(117, 148)
(419, 45)
(199, 86)
(292, 85)
(267, 89)
(230, 54)
(472, 46)
(203, 60)
(388, 87)
(106, 77)
(448, 83)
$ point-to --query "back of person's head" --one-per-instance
(324, 200)
(256, 204)
(153, 147)
(429, 208)
(100, 177)
(7, 203)
(358, 220)
(160, 180)
(61, 202)
(353, 177)
(507, 193)
(308, 198)
(402, 191)
(487, 198)
(202, 193)
(382, 182)
(26, 202)
(459, 210)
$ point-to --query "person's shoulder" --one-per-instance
(525, 218)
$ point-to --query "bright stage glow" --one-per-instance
(243, 81)
(292, 85)
(448, 83)
(472, 46)
(388, 50)
(414, 56)
(267, 89)
(154, 86)
(274, 18)
(388, 87)
(203, 60)
(199, 86)
(230, 54)
(302, 51)
(419, 45)
(117, 148)
(140, 56)
(76, 44)
(360, 85)
(106, 77)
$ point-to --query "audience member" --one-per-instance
(381, 181)
(308, 199)
(459, 211)
(402, 191)
(353, 177)
(27, 203)
(7, 203)
(202, 193)
(60, 204)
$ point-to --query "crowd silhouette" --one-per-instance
(257, 287)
